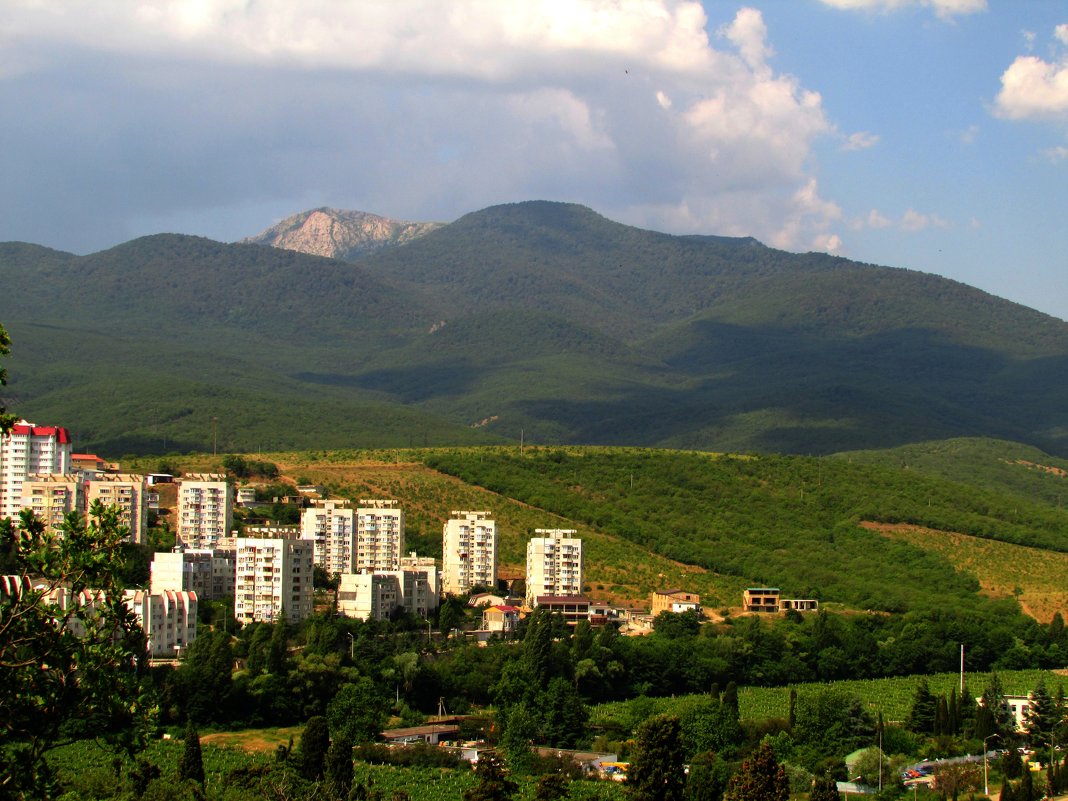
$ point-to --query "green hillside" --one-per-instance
(542, 321)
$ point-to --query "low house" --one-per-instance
(500, 618)
(572, 608)
(432, 734)
(799, 604)
(761, 599)
(674, 601)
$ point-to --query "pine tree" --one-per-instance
(1042, 716)
(314, 743)
(924, 708)
(1026, 790)
(191, 765)
(1011, 764)
(656, 770)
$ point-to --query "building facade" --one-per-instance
(209, 573)
(205, 509)
(29, 450)
(331, 525)
(674, 601)
(468, 552)
(52, 497)
(127, 492)
(554, 564)
(273, 578)
(379, 536)
(169, 620)
(368, 596)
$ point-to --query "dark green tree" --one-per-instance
(339, 767)
(552, 787)
(709, 726)
(278, 648)
(6, 420)
(191, 765)
(993, 699)
(357, 712)
(1026, 790)
(314, 743)
(494, 784)
(761, 778)
(1042, 717)
(824, 788)
(520, 729)
(923, 714)
(730, 699)
(707, 779)
(1012, 765)
(656, 771)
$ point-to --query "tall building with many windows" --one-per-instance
(273, 578)
(379, 535)
(205, 509)
(554, 564)
(468, 552)
(127, 492)
(52, 497)
(29, 450)
(331, 525)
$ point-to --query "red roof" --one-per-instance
(58, 432)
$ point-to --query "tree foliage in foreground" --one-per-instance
(71, 654)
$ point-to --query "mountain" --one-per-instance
(339, 234)
(538, 320)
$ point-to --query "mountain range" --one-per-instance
(538, 321)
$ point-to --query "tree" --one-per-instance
(924, 710)
(552, 787)
(339, 767)
(1042, 717)
(191, 765)
(493, 781)
(71, 655)
(707, 779)
(357, 713)
(656, 771)
(953, 778)
(313, 746)
(824, 788)
(6, 420)
(761, 778)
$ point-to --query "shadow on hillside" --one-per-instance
(409, 384)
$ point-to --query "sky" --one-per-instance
(926, 134)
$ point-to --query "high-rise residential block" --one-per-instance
(468, 552)
(169, 619)
(209, 573)
(273, 579)
(205, 509)
(331, 525)
(52, 497)
(554, 564)
(29, 450)
(127, 492)
(379, 535)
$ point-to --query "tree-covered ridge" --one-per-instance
(537, 320)
(790, 522)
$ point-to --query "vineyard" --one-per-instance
(892, 697)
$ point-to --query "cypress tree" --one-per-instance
(953, 719)
(792, 714)
(824, 788)
(922, 715)
(339, 767)
(1027, 787)
(314, 743)
(730, 698)
(191, 765)
(941, 721)
(1006, 792)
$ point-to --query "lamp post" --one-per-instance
(986, 775)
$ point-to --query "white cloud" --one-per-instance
(913, 220)
(1033, 88)
(877, 220)
(861, 140)
(1056, 154)
(946, 9)
(968, 135)
(420, 109)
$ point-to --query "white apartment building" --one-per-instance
(468, 552)
(429, 566)
(331, 525)
(209, 573)
(554, 564)
(127, 492)
(368, 596)
(52, 497)
(29, 450)
(273, 577)
(205, 509)
(169, 619)
(379, 535)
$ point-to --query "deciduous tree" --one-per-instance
(656, 771)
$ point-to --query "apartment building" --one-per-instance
(368, 596)
(379, 535)
(211, 574)
(273, 578)
(52, 497)
(331, 525)
(554, 564)
(29, 450)
(127, 492)
(429, 566)
(169, 619)
(205, 509)
(468, 552)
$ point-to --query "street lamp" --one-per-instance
(986, 775)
